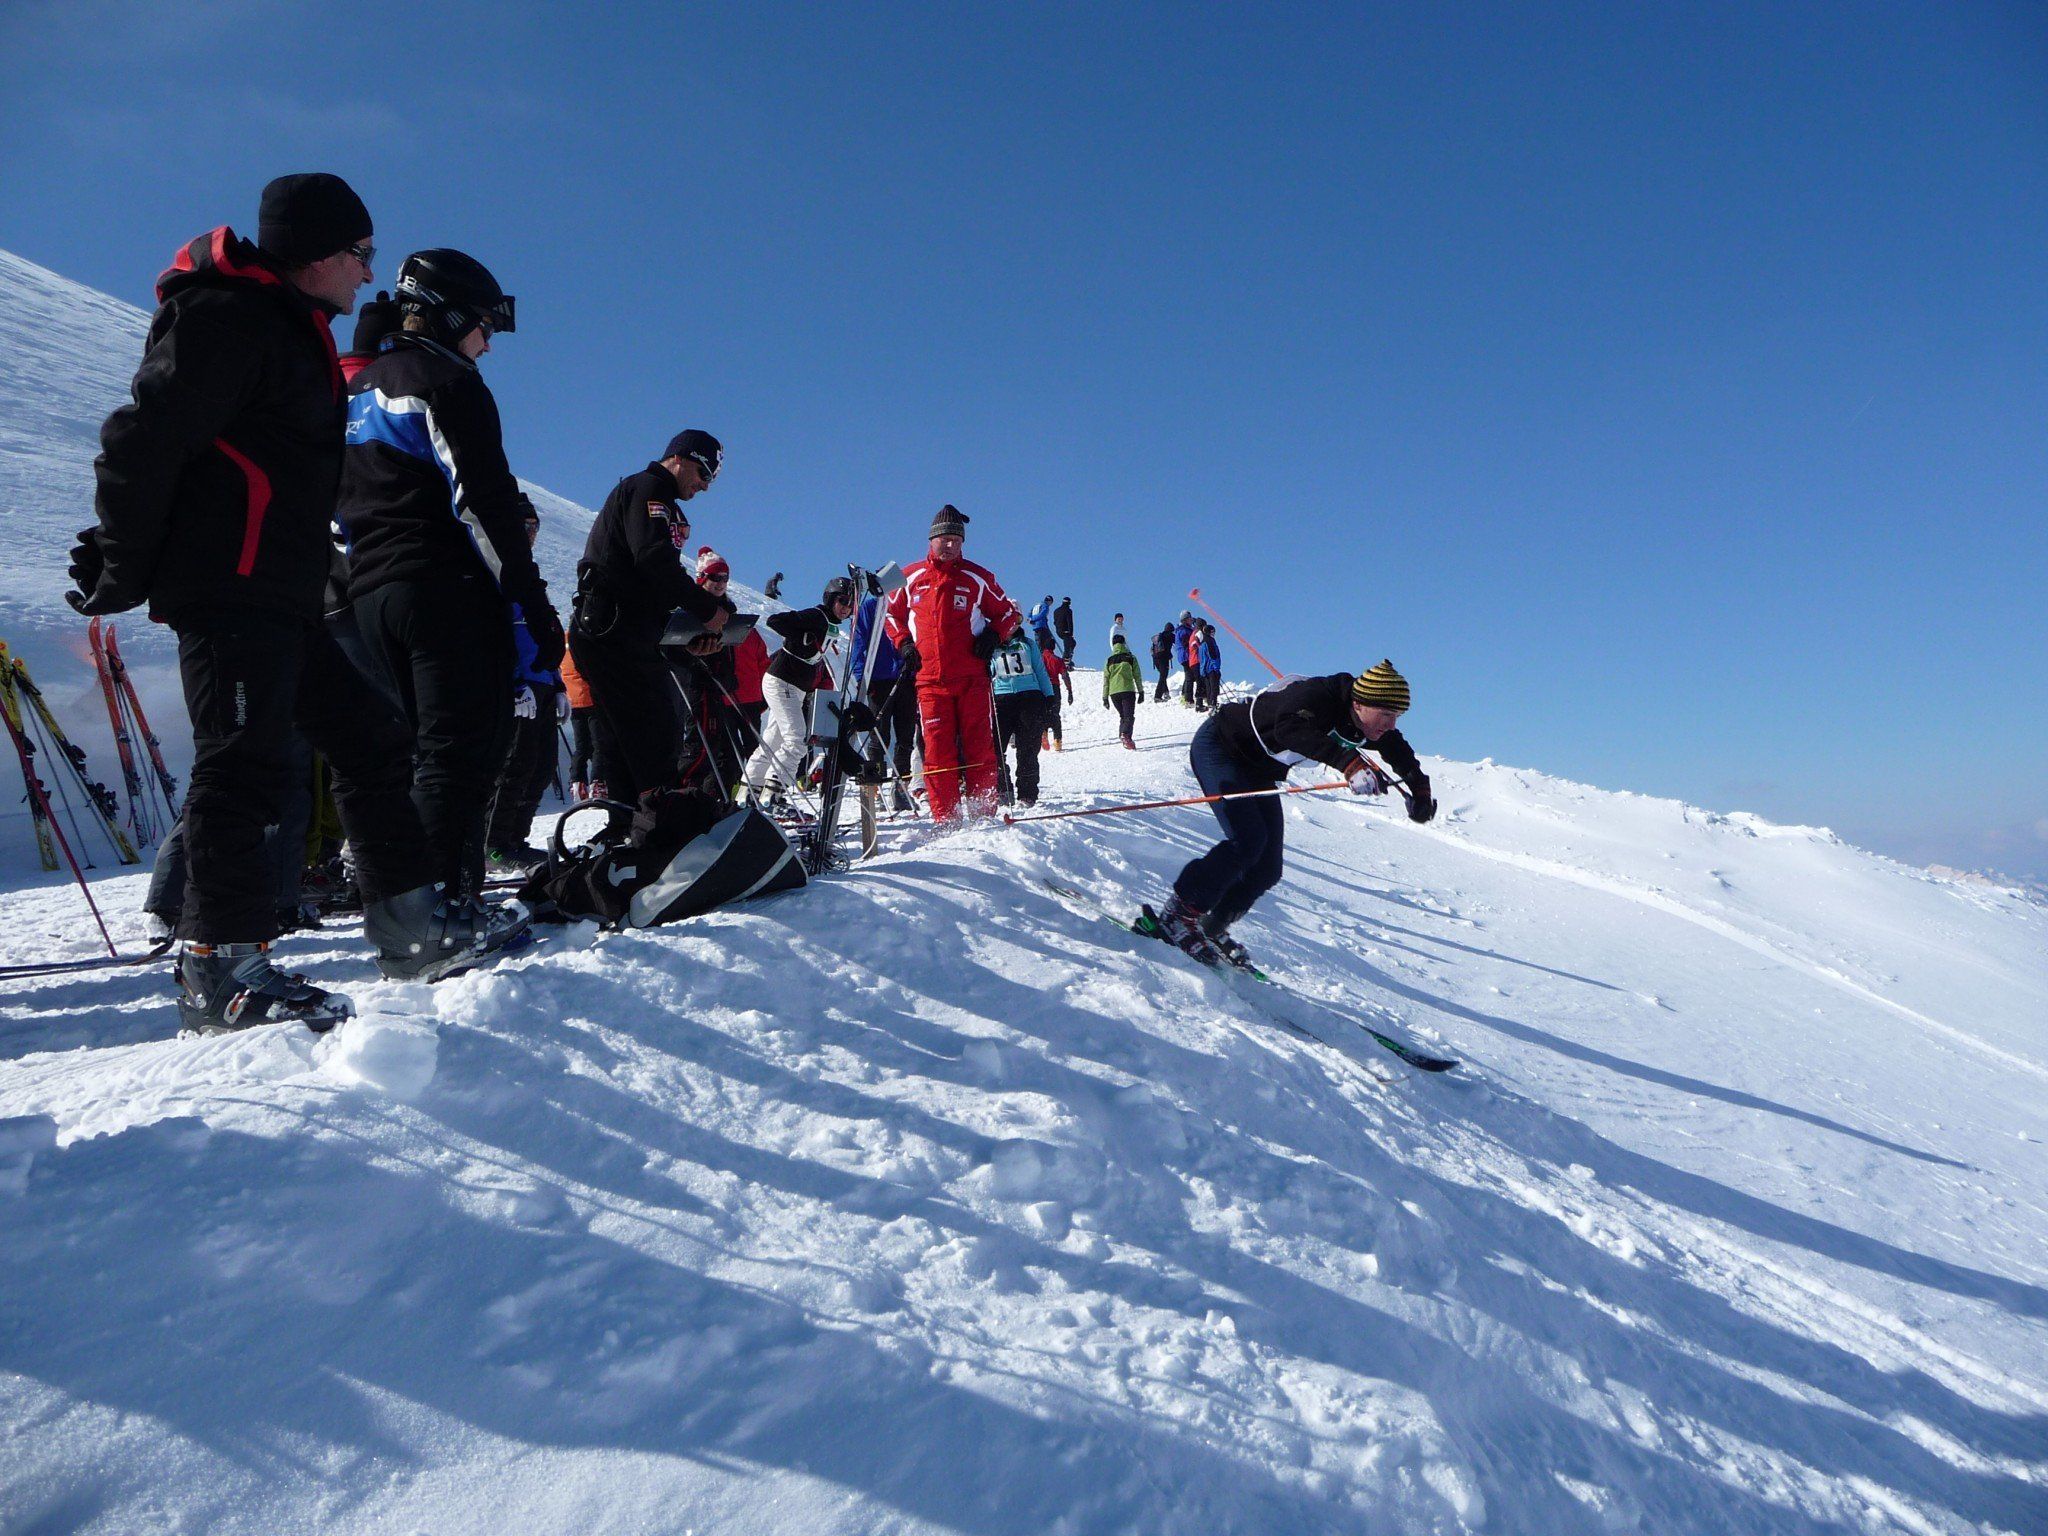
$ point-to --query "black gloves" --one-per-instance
(376, 320)
(87, 563)
(1421, 807)
(985, 643)
(856, 717)
(907, 654)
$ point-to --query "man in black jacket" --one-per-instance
(1162, 659)
(438, 553)
(630, 580)
(1063, 626)
(216, 493)
(1249, 746)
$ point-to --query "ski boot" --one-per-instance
(1181, 926)
(226, 987)
(426, 935)
(1233, 951)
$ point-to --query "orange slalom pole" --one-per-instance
(1157, 805)
(1195, 595)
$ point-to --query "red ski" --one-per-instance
(165, 782)
(139, 818)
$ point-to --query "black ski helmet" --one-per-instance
(452, 293)
(839, 590)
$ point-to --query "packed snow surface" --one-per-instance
(926, 1199)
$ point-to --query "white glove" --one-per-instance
(524, 705)
(561, 706)
(1366, 780)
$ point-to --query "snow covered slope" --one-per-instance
(926, 1200)
(69, 353)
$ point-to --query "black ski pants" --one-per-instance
(640, 742)
(897, 718)
(251, 677)
(582, 747)
(1020, 718)
(1224, 882)
(531, 759)
(1126, 712)
(285, 841)
(445, 647)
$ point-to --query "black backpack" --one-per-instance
(676, 854)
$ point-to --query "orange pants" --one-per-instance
(959, 744)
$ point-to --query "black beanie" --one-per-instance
(303, 219)
(701, 446)
(951, 521)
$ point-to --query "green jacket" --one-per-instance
(1120, 674)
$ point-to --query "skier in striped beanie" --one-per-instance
(1251, 744)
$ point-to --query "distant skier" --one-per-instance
(1162, 659)
(1209, 684)
(773, 591)
(946, 620)
(630, 579)
(1122, 683)
(1116, 630)
(793, 675)
(1063, 626)
(1024, 700)
(1040, 622)
(1060, 673)
(215, 500)
(1183, 632)
(1250, 745)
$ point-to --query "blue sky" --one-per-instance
(1662, 387)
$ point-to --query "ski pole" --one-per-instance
(1157, 805)
(38, 794)
(1195, 595)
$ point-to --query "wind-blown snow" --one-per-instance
(925, 1199)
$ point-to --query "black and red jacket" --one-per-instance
(217, 480)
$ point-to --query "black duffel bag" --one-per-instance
(676, 854)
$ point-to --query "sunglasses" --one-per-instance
(366, 253)
(710, 469)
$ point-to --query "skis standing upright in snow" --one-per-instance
(32, 712)
(124, 748)
(831, 788)
(167, 785)
(38, 801)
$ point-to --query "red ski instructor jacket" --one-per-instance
(942, 608)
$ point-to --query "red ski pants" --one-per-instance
(959, 744)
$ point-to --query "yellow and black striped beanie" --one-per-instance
(1382, 687)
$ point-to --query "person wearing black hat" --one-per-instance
(1063, 626)
(945, 621)
(631, 578)
(1162, 659)
(1247, 747)
(216, 498)
(439, 560)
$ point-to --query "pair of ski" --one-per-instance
(847, 745)
(148, 782)
(29, 713)
(1147, 924)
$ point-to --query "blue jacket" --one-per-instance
(1018, 668)
(1041, 619)
(524, 672)
(1180, 643)
(1212, 658)
(888, 665)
